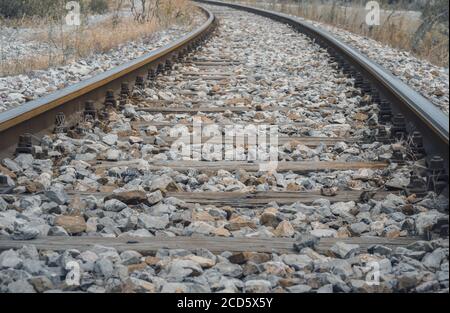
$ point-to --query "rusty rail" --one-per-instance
(420, 114)
(38, 116)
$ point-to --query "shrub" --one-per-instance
(10, 8)
(98, 6)
(21, 8)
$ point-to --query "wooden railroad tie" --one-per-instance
(148, 246)
(157, 106)
(282, 166)
(180, 110)
(159, 124)
(242, 140)
(258, 199)
(223, 74)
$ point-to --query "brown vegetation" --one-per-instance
(122, 23)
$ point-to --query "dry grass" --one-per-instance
(397, 28)
(68, 44)
(24, 65)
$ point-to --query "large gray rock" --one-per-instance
(358, 228)
(11, 165)
(323, 233)
(298, 262)
(160, 209)
(7, 220)
(391, 203)
(433, 202)
(25, 233)
(110, 139)
(380, 249)
(153, 222)
(86, 156)
(421, 245)
(340, 267)
(30, 202)
(399, 181)
(129, 112)
(180, 204)
(299, 289)
(115, 205)
(57, 231)
(305, 241)
(383, 265)
(344, 250)
(160, 183)
(57, 194)
(9, 181)
(144, 233)
(338, 284)
(104, 267)
(228, 269)
(24, 160)
(10, 259)
(343, 209)
(21, 286)
(434, 259)
(34, 267)
(200, 227)
(113, 155)
(155, 197)
(28, 252)
(179, 269)
(426, 220)
(3, 205)
(325, 289)
(88, 256)
(428, 286)
(130, 257)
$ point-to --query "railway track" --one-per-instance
(262, 160)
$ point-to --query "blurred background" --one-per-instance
(34, 34)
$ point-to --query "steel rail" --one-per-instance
(38, 116)
(421, 114)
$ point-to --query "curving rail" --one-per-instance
(38, 116)
(421, 115)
